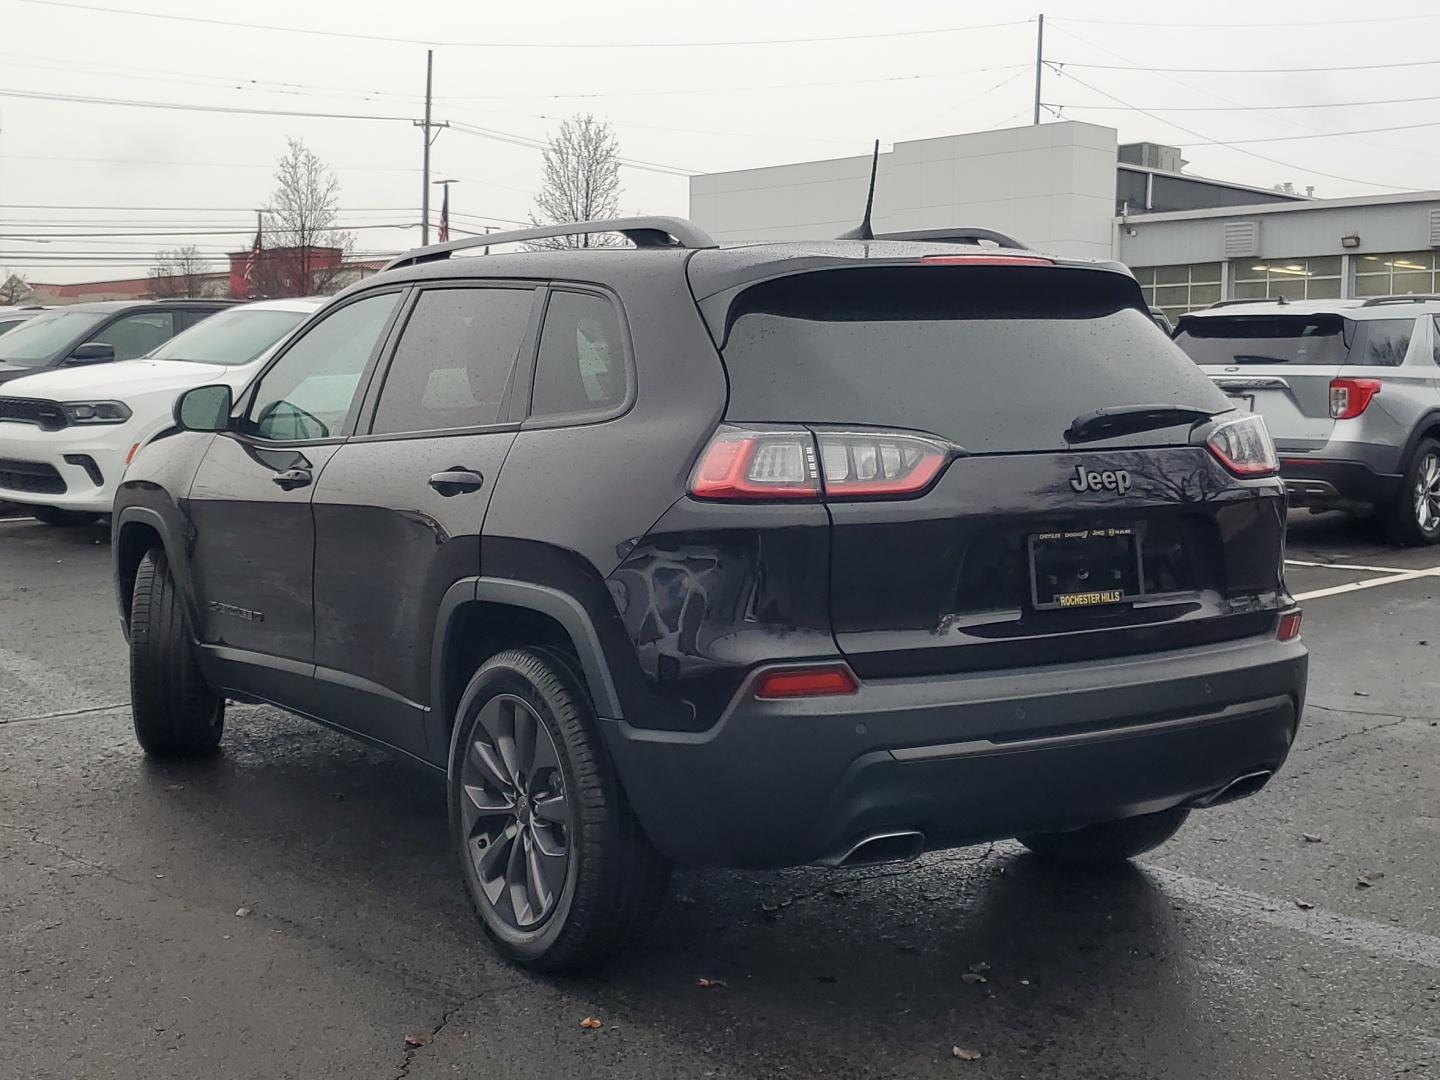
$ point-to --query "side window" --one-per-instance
(190, 317)
(307, 394)
(581, 366)
(455, 359)
(1435, 337)
(1380, 342)
(136, 335)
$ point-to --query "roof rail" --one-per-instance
(1277, 300)
(957, 236)
(643, 232)
(1406, 298)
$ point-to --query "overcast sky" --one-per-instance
(688, 87)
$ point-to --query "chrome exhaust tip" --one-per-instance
(903, 845)
(1242, 786)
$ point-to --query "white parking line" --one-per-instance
(1392, 577)
(7, 521)
(1352, 566)
(1377, 939)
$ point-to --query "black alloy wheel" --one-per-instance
(515, 812)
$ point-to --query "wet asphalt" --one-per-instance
(1296, 934)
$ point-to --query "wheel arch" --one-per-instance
(479, 617)
(1427, 428)
(136, 530)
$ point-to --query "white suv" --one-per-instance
(67, 435)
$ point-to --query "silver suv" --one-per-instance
(1350, 390)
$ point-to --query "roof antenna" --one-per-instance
(863, 231)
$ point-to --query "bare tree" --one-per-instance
(300, 218)
(16, 290)
(581, 181)
(178, 272)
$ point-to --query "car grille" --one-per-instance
(47, 414)
(33, 476)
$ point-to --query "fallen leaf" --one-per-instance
(421, 1038)
(1362, 693)
(965, 1055)
(1304, 905)
(1311, 838)
(979, 966)
(174, 787)
(159, 876)
(972, 978)
(590, 1022)
(1362, 883)
(1424, 643)
(711, 984)
(241, 913)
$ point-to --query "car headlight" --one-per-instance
(96, 412)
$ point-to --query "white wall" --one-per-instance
(1051, 185)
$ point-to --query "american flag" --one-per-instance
(253, 257)
(443, 233)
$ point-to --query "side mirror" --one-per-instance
(92, 352)
(204, 408)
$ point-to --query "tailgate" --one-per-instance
(1295, 400)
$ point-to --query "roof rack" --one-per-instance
(1406, 298)
(957, 236)
(643, 232)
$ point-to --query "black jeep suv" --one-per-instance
(809, 553)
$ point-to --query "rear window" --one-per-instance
(997, 359)
(1323, 340)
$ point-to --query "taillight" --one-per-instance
(756, 463)
(1348, 397)
(1243, 446)
(1289, 628)
(822, 681)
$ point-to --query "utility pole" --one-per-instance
(1039, 67)
(428, 126)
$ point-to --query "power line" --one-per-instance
(391, 40)
(1293, 24)
(1247, 71)
(36, 95)
(1251, 153)
(541, 144)
(1275, 108)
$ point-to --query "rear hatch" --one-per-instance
(1037, 541)
(1282, 365)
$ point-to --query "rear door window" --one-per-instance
(998, 359)
(136, 335)
(455, 361)
(581, 366)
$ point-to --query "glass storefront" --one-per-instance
(1294, 279)
(1178, 289)
(1406, 272)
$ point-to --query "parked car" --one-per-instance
(66, 434)
(12, 316)
(97, 333)
(1162, 321)
(1350, 391)
(760, 556)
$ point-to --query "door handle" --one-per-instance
(291, 479)
(456, 482)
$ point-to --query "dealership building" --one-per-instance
(1071, 189)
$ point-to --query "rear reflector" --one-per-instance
(1348, 397)
(1289, 626)
(1243, 446)
(824, 681)
(761, 464)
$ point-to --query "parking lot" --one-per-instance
(1294, 934)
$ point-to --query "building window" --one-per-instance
(1396, 275)
(1178, 289)
(1294, 279)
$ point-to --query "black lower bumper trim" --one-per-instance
(1328, 483)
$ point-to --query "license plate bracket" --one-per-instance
(1076, 568)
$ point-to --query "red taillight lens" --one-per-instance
(1289, 626)
(1348, 397)
(745, 463)
(823, 681)
(1243, 446)
(988, 260)
(756, 463)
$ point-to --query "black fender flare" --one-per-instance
(564, 609)
(142, 515)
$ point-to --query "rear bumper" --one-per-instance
(1326, 482)
(963, 759)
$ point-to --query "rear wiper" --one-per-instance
(1251, 358)
(1128, 419)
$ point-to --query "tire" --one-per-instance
(557, 867)
(66, 519)
(1413, 518)
(1108, 843)
(176, 714)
